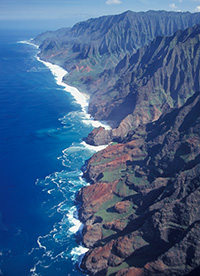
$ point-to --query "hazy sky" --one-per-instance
(59, 13)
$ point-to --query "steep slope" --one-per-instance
(141, 213)
(159, 76)
(96, 44)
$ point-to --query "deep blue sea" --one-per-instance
(41, 155)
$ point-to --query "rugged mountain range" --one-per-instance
(141, 87)
(142, 72)
(97, 44)
(141, 212)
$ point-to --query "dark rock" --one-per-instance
(99, 136)
(161, 234)
(142, 209)
(91, 235)
(116, 225)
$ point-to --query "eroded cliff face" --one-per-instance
(90, 47)
(129, 83)
(156, 78)
(141, 212)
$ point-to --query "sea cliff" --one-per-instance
(142, 210)
(141, 71)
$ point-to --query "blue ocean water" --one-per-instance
(41, 155)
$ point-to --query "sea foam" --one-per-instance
(29, 43)
(60, 184)
(58, 72)
(74, 221)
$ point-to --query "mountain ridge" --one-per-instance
(91, 46)
(141, 211)
(168, 67)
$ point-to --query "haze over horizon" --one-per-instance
(54, 14)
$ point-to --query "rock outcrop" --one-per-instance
(99, 136)
(141, 211)
(144, 200)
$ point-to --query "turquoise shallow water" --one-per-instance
(41, 155)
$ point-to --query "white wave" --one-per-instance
(72, 217)
(80, 98)
(50, 191)
(72, 149)
(59, 73)
(93, 148)
(78, 254)
(57, 181)
(62, 207)
(78, 251)
(33, 270)
(28, 42)
(32, 250)
(39, 243)
(89, 120)
(82, 147)
(77, 225)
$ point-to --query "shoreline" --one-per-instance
(83, 100)
(58, 73)
(77, 225)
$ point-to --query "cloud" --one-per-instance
(197, 9)
(173, 6)
(113, 2)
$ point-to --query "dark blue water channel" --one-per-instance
(41, 155)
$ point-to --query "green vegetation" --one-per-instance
(137, 180)
(123, 189)
(103, 161)
(110, 176)
(112, 270)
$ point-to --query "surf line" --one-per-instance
(59, 73)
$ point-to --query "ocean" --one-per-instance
(42, 125)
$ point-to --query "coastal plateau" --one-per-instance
(142, 72)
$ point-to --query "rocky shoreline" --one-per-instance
(136, 212)
(141, 211)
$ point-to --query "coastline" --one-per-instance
(58, 73)
(83, 100)
(134, 216)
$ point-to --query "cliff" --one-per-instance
(141, 212)
(157, 77)
(90, 47)
(142, 72)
